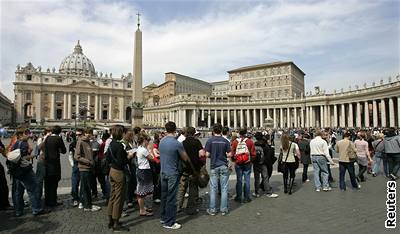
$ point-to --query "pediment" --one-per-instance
(83, 84)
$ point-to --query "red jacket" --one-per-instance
(250, 147)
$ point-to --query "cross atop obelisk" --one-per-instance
(137, 92)
(138, 19)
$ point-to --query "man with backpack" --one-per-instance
(23, 177)
(263, 157)
(243, 151)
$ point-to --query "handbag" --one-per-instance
(203, 177)
(281, 165)
(14, 164)
(15, 155)
(351, 153)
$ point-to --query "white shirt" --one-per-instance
(141, 154)
(318, 146)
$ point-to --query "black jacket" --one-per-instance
(117, 158)
(53, 148)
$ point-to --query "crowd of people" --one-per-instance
(134, 167)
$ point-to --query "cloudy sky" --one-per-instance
(336, 43)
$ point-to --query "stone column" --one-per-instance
(209, 118)
(281, 118)
(374, 113)
(77, 105)
(96, 107)
(262, 118)
(351, 122)
(229, 118)
(183, 119)
(101, 107)
(88, 106)
(321, 116)
(398, 111)
(302, 124)
(342, 116)
(194, 118)
(391, 113)
(335, 116)
(110, 108)
(254, 118)
(307, 123)
(202, 114)
(274, 115)
(69, 107)
(222, 117)
(38, 106)
(248, 118)
(235, 122)
(52, 104)
(241, 118)
(289, 124)
(366, 114)
(383, 113)
(327, 115)
(296, 124)
(65, 106)
(358, 114)
(215, 116)
(121, 109)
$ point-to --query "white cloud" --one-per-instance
(224, 38)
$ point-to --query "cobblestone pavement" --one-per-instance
(306, 211)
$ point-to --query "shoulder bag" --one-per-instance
(281, 164)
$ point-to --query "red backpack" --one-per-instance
(242, 154)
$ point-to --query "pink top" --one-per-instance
(362, 148)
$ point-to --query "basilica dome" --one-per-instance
(77, 64)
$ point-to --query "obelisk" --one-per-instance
(137, 92)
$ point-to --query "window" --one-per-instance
(46, 79)
(28, 77)
(129, 85)
(28, 96)
(93, 82)
(73, 81)
(105, 83)
(116, 85)
(59, 80)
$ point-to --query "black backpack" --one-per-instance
(260, 156)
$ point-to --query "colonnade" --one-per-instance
(97, 107)
(383, 112)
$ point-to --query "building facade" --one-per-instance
(373, 106)
(6, 110)
(267, 81)
(76, 92)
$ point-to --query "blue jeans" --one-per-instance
(169, 188)
(220, 174)
(394, 163)
(75, 179)
(243, 171)
(377, 164)
(40, 174)
(349, 166)
(29, 183)
(320, 167)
